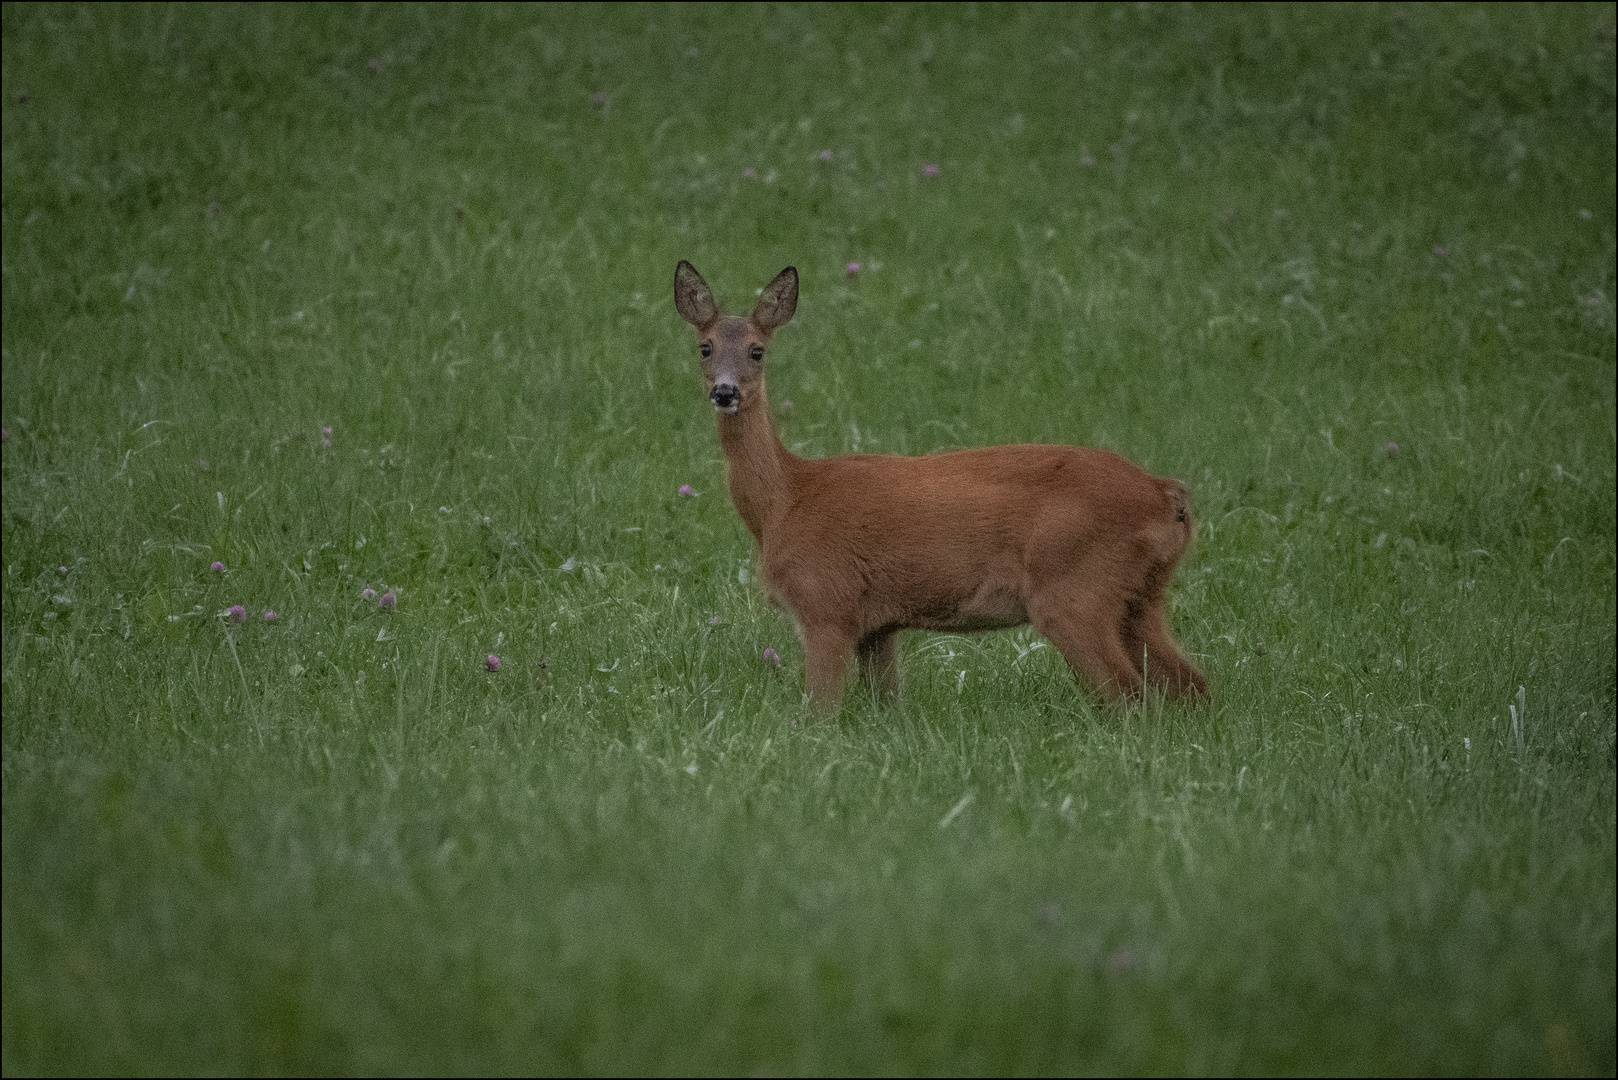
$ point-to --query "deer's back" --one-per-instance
(958, 540)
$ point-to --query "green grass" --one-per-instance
(1249, 247)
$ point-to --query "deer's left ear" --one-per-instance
(692, 297)
(778, 302)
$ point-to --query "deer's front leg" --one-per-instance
(826, 659)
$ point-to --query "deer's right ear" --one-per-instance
(778, 301)
(692, 297)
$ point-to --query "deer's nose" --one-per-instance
(725, 396)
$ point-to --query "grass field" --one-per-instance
(1348, 272)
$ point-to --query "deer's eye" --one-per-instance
(756, 352)
(707, 350)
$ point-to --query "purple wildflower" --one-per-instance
(851, 269)
(787, 404)
(824, 155)
(1086, 160)
(1438, 249)
(326, 430)
(750, 173)
(599, 98)
(202, 464)
(270, 616)
(375, 65)
(388, 601)
(238, 613)
(686, 492)
(367, 594)
(492, 663)
(930, 169)
(1393, 449)
(771, 658)
(5, 433)
(713, 620)
(217, 567)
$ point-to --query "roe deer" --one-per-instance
(1080, 543)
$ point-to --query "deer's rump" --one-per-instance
(963, 541)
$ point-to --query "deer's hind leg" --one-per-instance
(879, 661)
(1151, 647)
(1165, 665)
(1084, 620)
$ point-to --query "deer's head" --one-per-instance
(733, 346)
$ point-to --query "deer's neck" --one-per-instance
(758, 467)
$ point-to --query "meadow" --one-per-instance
(380, 298)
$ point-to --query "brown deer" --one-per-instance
(1080, 543)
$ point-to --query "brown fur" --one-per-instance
(1080, 543)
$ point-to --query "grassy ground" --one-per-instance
(1251, 248)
